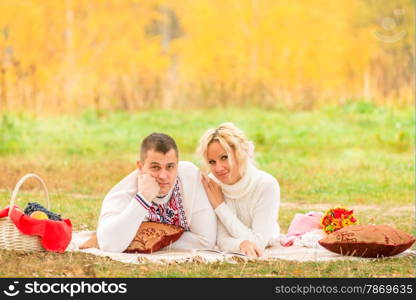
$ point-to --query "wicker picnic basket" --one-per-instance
(10, 237)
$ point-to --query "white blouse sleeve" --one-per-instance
(264, 222)
(225, 241)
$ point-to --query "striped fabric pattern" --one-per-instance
(142, 202)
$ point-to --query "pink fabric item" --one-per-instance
(301, 224)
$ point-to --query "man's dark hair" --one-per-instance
(158, 142)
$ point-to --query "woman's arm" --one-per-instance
(225, 241)
(231, 244)
(265, 215)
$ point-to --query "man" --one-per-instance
(162, 189)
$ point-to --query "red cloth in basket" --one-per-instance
(55, 235)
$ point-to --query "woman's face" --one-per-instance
(219, 163)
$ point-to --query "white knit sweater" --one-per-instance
(249, 211)
(121, 214)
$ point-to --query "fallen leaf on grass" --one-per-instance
(144, 269)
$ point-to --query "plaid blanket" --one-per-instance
(276, 252)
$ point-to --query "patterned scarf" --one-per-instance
(171, 212)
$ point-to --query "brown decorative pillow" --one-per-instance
(153, 236)
(368, 241)
(150, 237)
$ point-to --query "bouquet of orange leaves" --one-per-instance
(337, 218)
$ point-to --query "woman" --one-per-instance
(245, 199)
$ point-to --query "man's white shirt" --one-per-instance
(121, 214)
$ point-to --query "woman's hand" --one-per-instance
(250, 249)
(213, 191)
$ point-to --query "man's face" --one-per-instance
(162, 167)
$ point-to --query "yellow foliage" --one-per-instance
(73, 54)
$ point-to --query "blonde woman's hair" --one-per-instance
(231, 139)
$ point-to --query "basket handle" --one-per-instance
(19, 184)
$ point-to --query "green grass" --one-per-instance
(357, 155)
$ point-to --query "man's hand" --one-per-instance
(250, 249)
(213, 191)
(147, 187)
